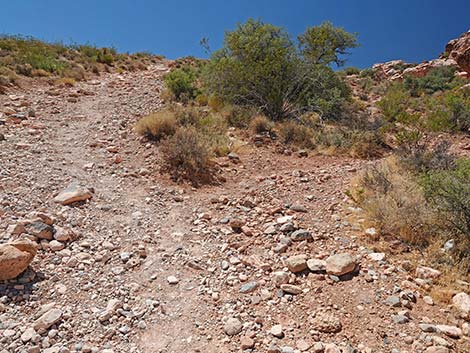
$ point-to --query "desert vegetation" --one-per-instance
(264, 82)
(421, 196)
(30, 57)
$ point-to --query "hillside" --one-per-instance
(109, 245)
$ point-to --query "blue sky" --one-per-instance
(413, 30)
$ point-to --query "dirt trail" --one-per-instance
(140, 228)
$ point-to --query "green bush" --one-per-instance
(348, 71)
(182, 83)
(449, 111)
(437, 79)
(394, 104)
(260, 67)
(369, 72)
(449, 192)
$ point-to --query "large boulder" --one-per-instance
(15, 258)
(459, 50)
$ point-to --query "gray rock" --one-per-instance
(428, 327)
(400, 319)
(301, 235)
(249, 287)
(393, 301)
(40, 230)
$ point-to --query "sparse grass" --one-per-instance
(65, 81)
(31, 57)
(421, 196)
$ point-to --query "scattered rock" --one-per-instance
(326, 323)
(291, 289)
(15, 257)
(277, 331)
(340, 264)
(47, 320)
(173, 280)
(73, 193)
(233, 326)
(316, 265)
(297, 263)
(427, 273)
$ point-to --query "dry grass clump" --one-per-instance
(157, 126)
(293, 133)
(261, 124)
(395, 203)
(65, 81)
(187, 156)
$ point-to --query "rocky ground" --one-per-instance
(272, 260)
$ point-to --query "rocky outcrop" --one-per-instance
(459, 50)
(396, 70)
(15, 258)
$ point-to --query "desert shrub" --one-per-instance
(437, 79)
(423, 199)
(449, 189)
(182, 82)
(210, 127)
(359, 143)
(238, 116)
(28, 56)
(366, 83)
(418, 157)
(157, 126)
(260, 67)
(296, 134)
(369, 72)
(186, 156)
(215, 103)
(202, 100)
(261, 124)
(394, 104)
(449, 111)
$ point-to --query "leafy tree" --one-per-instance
(325, 44)
(260, 66)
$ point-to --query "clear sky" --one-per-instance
(413, 30)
